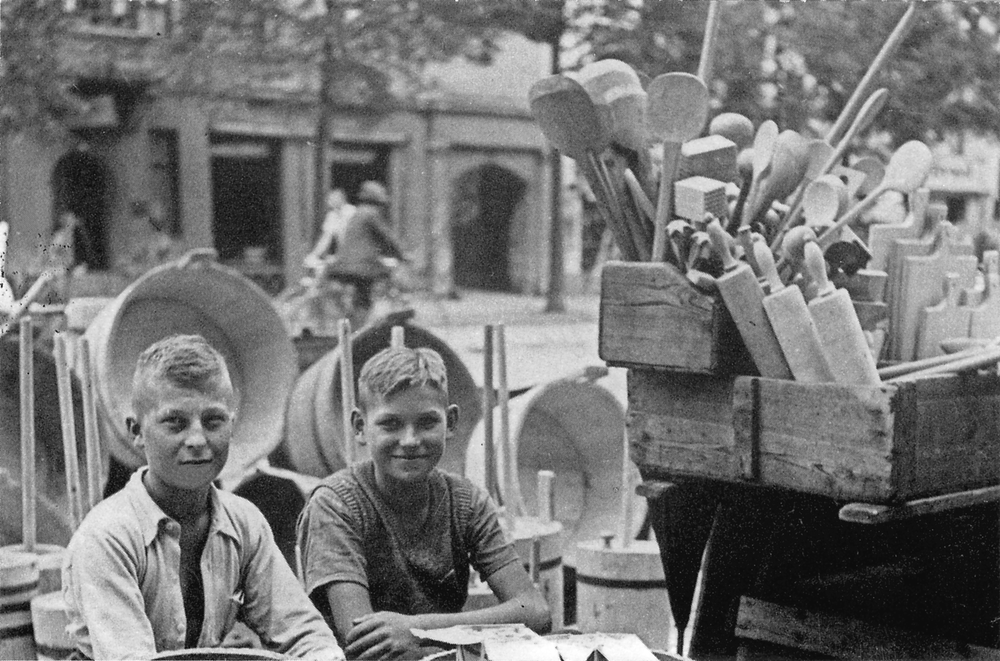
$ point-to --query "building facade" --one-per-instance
(466, 165)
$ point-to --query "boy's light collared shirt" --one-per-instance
(121, 581)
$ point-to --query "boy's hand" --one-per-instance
(382, 635)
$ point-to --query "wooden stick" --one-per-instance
(65, 390)
(861, 91)
(346, 387)
(917, 365)
(398, 340)
(489, 451)
(91, 433)
(962, 364)
(37, 287)
(29, 495)
(707, 59)
(627, 498)
(506, 449)
(535, 559)
(546, 499)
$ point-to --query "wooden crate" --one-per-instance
(651, 316)
(878, 444)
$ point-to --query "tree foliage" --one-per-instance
(799, 62)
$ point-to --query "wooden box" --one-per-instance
(876, 444)
(652, 316)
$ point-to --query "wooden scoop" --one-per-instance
(907, 170)
(678, 108)
(571, 122)
(614, 85)
(824, 200)
(734, 126)
(764, 144)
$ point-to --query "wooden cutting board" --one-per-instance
(899, 251)
(922, 286)
(881, 237)
(985, 318)
(946, 320)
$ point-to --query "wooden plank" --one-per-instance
(844, 637)
(681, 424)
(872, 514)
(652, 316)
(829, 439)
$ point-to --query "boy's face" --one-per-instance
(406, 433)
(185, 433)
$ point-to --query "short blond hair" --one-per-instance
(398, 368)
(186, 361)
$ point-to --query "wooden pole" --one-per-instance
(398, 338)
(626, 502)
(346, 387)
(65, 390)
(506, 454)
(489, 452)
(546, 499)
(555, 294)
(707, 60)
(91, 433)
(27, 387)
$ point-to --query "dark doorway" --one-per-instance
(483, 204)
(80, 183)
(245, 199)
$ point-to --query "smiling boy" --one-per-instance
(170, 562)
(387, 543)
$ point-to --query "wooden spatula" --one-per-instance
(678, 108)
(946, 320)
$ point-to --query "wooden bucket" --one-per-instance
(196, 295)
(574, 428)
(49, 558)
(52, 509)
(623, 590)
(49, 621)
(18, 585)
(314, 436)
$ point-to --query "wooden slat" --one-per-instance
(869, 513)
(843, 637)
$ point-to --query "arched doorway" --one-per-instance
(80, 184)
(484, 201)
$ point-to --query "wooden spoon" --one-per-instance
(874, 170)
(614, 85)
(678, 108)
(764, 144)
(907, 170)
(571, 122)
(788, 167)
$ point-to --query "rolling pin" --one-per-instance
(744, 297)
(837, 323)
(793, 324)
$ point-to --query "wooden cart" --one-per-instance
(866, 504)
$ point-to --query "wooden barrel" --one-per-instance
(18, 585)
(219, 654)
(52, 513)
(49, 558)
(623, 590)
(196, 295)
(314, 435)
(49, 621)
(574, 428)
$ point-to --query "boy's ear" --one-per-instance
(358, 424)
(451, 418)
(132, 425)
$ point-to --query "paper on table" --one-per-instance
(500, 642)
(612, 646)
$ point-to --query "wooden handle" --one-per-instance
(768, 271)
(627, 494)
(346, 387)
(720, 243)
(34, 291)
(815, 267)
(65, 390)
(506, 452)
(963, 364)
(546, 497)
(888, 48)
(893, 371)
(29, 492)
(398, 338)
(489, 450)
(665, 201)
(707, 58)
(91, 433)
